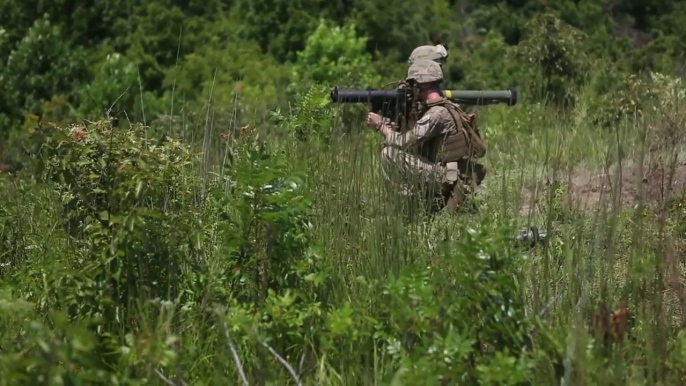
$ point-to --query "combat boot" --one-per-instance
(456, 198)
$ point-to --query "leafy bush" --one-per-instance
(555, 53)
(241, 234)
(41, 65)
(335, 55)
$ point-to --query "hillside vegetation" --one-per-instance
(181, 204)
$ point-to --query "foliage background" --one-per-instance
(191, 210)
(73, 60)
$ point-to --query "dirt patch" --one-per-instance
(625, 183)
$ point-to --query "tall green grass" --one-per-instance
(333, 282)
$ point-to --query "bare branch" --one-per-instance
(284, 363)
(167, 380)
(235, 355)
(302, 362)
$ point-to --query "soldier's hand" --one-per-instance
(374, 119)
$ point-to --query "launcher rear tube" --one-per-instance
(482, 97)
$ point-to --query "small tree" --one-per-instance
(335, 54)
(44, 63)
(557, 60)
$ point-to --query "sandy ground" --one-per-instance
(651, 186)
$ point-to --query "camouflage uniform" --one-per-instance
(436, 152)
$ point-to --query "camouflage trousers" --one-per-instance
(409, 175)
